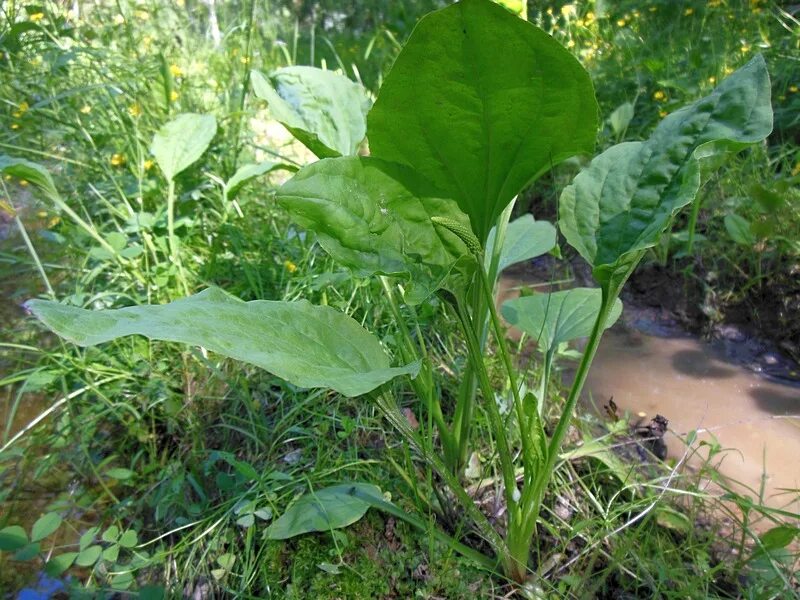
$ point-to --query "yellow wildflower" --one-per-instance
(36, 17)
(23, 107)
(117, 160)
(175, 70)
(86, 109)
(571, 44)
(688, 12)
(662, 113)
(659, 96)
(148, 164)
(15, 126)
(727, 70)
(119, 19)
(653, 9)
(793, 89)
(173, 96)
(745, 48)
(135, 110)
(7, 177)
(23, 182)
(244, 60)
(796, 170)
(290, 266)
(712, 79)
(41, 214)
(589, 17)
(621, 22)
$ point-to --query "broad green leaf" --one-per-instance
(627, 197)
(672, 519)
(375, 217)
(28, 552)
(60, 563)
(525, 239)
(309, 346)
(120, 473)
(330, 508)
(13, 537)
(324, 110)
(739, 230)
(247, 173)
(44, 526)
(31, 172)
(88, 557)
(111, 534)
(482, 103)
(181, 142)
(551, 319)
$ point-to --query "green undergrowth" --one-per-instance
(169, 463)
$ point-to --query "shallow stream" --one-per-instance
(698, 386)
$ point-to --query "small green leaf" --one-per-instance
(87, 538)
(29, 171)
(12, 538)
(246, 521)
(525, 239)
(120, 473)
(226, 561)
(627, 197)
(324, 110)
(621, 118)
(309, 346)
(88, 557)
(181, 142)
(111, 534)
(551, 319)
(779, 537)
(44, 526)
(111, 553)
(672, 519)
(122, 581)
(247, 173)
(128, 539)
(152, 592)
(481, 103)
(28, 552)
(739, 229)
(60, 563)
(330, 508)
(329, 568)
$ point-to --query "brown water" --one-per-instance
(692, 385)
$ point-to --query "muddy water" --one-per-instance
(697, 390)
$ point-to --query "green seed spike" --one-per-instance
(463, 232)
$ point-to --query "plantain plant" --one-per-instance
(478, 104)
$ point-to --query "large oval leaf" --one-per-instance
(181, 142)
(375, 217)
(551, 319)
(309, 346)
(330, 508)
(482, 103)
(324, 110)
(525, 239)
(622, 202)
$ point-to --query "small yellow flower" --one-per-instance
(712, 79)
(727, 70)
(117, 160)
(41, 214)
(148, 164)
(15, 126)
(173, 96)
(135, 110)
(119, 19)
(23, 182)
(653, 9)
(245, 60)
(571, 44)
(23, 107)
(659, 96)
(662, 113)
(7, 177)
(589, 17)
(688, 12)
(796, 170)
(793, 89)
(621, 22)
(86, 109)
(36, 17)
(175, 70)
(290, 266)
(745, 48)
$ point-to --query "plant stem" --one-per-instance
(174, 255)
(34, 255)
